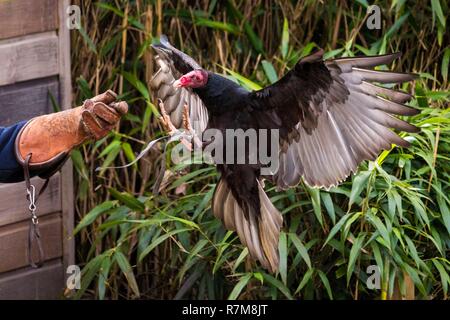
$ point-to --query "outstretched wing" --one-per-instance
(331, 117)
(172, 65)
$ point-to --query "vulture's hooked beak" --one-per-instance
(177, 84)
(182, 82)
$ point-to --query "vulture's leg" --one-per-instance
(165, 120)
(187, 125)
(187, 135)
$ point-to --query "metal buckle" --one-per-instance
(31, 193)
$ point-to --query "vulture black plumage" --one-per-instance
(330, 118)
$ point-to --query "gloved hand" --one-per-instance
(50, 138)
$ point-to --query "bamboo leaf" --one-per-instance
(445, 279)
(127, 199)
(315, 200)
(103, 277)
(269, 70)
(239, 286)
(339, 225)
(159, 240)
(306, 277)
(359, 183)
(228, 27)
(87, 39)
(380, 227)
(354, 254)
(89, 272)
(301, 249)
(445, 63)
(128, 151)
(326, 283)
(329, 206)
(244, 253)
(278, 284)
(124, 265)
(285, 39)
(283, 253)
(437, 10)
(93, 214)
(243, 80)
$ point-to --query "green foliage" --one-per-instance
(394, 212)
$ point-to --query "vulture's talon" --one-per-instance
(187, 134)
(187, 125)
(165, 120)
(186, 120)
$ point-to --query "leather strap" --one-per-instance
(34, 235)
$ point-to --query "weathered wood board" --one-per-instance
(27, 283)
(24, 100)
(15, 209)
(14, 240)
(20, 17)
(34, 65)
(29, 57)
(67, 196)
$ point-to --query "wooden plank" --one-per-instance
(44, 283)
(67, 194)
(20, 17)
(29, 57)
(25, 100)
(16, 208)
(41, 55)
(14, 241)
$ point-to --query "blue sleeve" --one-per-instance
(10, 169)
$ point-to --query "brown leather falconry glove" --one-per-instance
(47, 140)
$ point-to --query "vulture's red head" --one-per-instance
(194, 79)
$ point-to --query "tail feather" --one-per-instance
(259, 233)
(270, 224)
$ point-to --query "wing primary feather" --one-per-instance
(389, 121)
(374, 102)
(394, 95)
(383, 76)
(365, 62)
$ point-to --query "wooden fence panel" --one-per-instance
(34, 65)
(20, 17)
(67, 196)
(14, 241)
(29, 58)
(44, 283)
(15, 209)
(28, 99)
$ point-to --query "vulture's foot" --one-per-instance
(187, 134)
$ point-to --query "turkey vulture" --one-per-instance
(329, 114)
